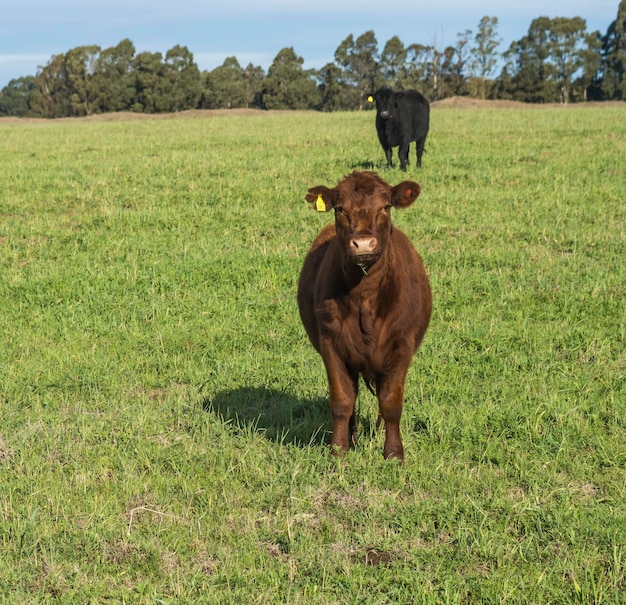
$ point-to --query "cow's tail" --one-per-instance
(369, 383)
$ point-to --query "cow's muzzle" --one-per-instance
(363, 246)
(364, 251)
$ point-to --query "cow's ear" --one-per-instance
(404, 194)
(323, 198)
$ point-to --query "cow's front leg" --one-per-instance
(343, 388)
(403, 155)
(389, 156)
(342, 403)
(390, 399)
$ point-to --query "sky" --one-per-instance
(254, 31)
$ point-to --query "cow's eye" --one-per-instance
(339, 210)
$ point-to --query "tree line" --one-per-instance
(557, 61)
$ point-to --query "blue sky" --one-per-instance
(254, 31)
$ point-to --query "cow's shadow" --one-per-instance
(380, 167)
(366, 166)
(279, 416)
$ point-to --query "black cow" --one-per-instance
(401, 118)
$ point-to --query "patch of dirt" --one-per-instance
(127, 116)
(451, 103)
(123, 116)
(470, 103)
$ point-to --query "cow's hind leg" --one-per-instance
(403, 155)
(353, 428)
(419, 150)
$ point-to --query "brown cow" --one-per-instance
(364, 300)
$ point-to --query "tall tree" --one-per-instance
(63, 84)
(614, 57)
(225, 86)
(15, 97)
(332, 90)
(230, 86)
(254, 77)
(484, 53)
(544, 63)
(166, 85)
(589, 83)
(149, 73)
(358, 60)
(51, 99)
(79, 68)
(112, 82)
(288, 85)
(531, 73)
(454, 66)
(425, 68)
(566, 43)
(392, 64)
(417, 68)
(182, 87)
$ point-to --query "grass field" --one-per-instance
(164, 419)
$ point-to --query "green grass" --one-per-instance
(164, 418)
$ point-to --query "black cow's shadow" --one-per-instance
(279, 416)
(377, 166)
(366, 166)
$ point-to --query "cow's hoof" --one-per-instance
(394, 454)
(337, 450)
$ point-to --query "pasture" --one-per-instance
(165, 419)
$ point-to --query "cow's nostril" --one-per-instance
(364, 245)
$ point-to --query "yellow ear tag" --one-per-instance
(320, 204)
(370, 99)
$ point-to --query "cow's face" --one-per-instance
(386, 101)
(362, 203)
